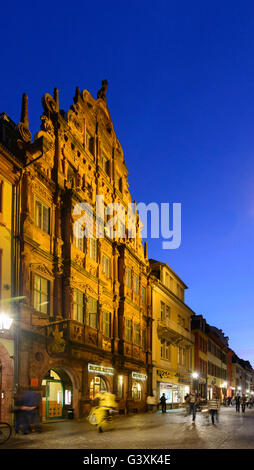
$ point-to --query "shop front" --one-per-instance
(136, 400)
(100, 379)
(174, 387)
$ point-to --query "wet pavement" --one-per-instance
(172, 430)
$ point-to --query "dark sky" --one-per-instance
(181, 95)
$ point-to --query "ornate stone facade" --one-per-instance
(77, 299)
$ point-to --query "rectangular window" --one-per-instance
(78, 241)
(92, 312)
(137, 334)
(106, 266)
(119, 183)
(41, 294)
(107, 324)
(128, 277)
(42, 216)
(128, 330)
(165, 350)
(167, 311)
(105, 164)
(78, 306)
(136, 283)
(143, 295)
(89, 143)
(93, 248)
(163, 307)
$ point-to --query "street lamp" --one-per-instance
(5, 322)
(195, 375)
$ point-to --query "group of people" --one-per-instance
(27, 411)
(193, 402)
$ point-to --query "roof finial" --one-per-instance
(56, 98)
(23, 126)
(146, 251)
(24, 111)
(77, 94)
(102, 92)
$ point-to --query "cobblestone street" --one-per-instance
(172, 430)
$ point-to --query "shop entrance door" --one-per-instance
(52, 400)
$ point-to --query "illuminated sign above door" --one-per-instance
(96, 369)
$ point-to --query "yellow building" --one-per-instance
(8, 183)
(172, 338)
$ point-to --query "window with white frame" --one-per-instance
(41, 294)
(163, 311)
(107, 324)
(136, 283)
(78, 306)
(128, 330)
(137, 334)
(106, 266)
(92, 310)
(128, 277)
(165, 350)
(93, 248)
(42, 216)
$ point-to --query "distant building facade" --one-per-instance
(172, 337)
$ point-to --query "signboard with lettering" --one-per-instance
(96, 369)
(138, 376)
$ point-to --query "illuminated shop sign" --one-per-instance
(165, 374)
(95, 369)
(138, 376)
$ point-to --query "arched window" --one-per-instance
(97, 385)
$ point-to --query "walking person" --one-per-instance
(193, 401)
(31, 402)
(237, 403)
(19, 412)
(243, 403)
(214, 406)
(163, 403)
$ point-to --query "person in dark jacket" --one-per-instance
(31, 402)
(237, 403)
(243, 403)
(163, 403)
(19, 412)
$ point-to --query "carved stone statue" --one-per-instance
(102, 92)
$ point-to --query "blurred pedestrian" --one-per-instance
(163, 403)
(243, 403)
(31, 402)
(19, 412)
(214, 406)
(237, 403)
(193, 402)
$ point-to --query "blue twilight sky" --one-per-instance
(181, 96)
